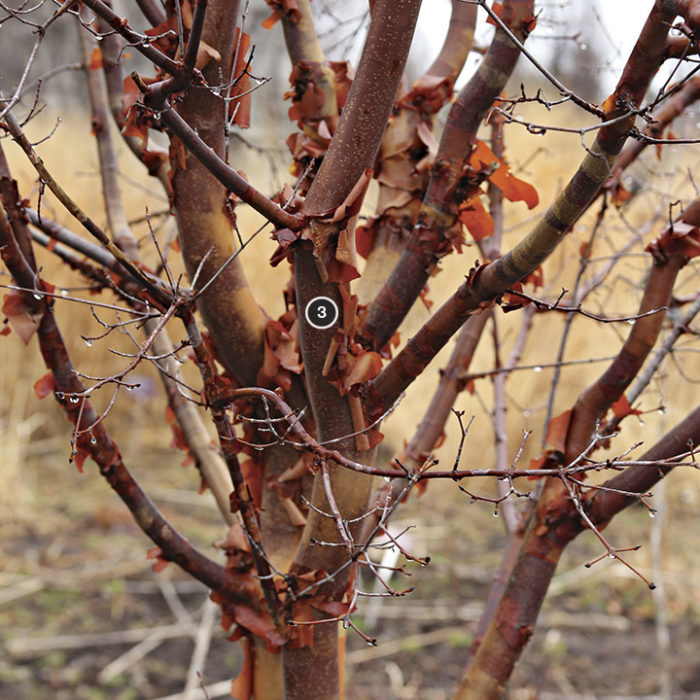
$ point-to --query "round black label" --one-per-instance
(321, 312)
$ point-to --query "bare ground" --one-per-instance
(83, 616)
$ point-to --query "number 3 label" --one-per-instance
(321, 313)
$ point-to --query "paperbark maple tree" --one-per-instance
(298, 402)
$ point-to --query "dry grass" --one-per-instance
(55, 521)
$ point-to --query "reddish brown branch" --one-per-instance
(351, 152)
(673, 107)
(139, 41)
(371, 98)
(403, 173)
(689, 9)
(595, 401)
(444, 194)
(195, 36)
(14, 209)
(152, 10)
(227, 395)
(224, 173)
(602, 506)
(487, 282)
(98, 444)
(514, 620)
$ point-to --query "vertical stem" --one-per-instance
(352, 150)
(366, 112)
(206, 233)
(314, 672)
(444, 194)
(111, 191)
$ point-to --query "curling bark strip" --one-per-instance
(366, 112)
(471, 106)
(487, 282)
(440, 204)
(303, 45)
(351, 152)
(403, 171)
(333, 420)
(138, 41)
(154, 158)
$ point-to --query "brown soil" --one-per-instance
(77, 566)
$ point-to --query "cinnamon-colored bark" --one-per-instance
(444, 194)
(673, 107)
(206, 233)
(514, 621)
(555, 520)
(486, 283)
(368, 106)
(352, 150)
(403, 174)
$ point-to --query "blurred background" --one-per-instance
(81, 613)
